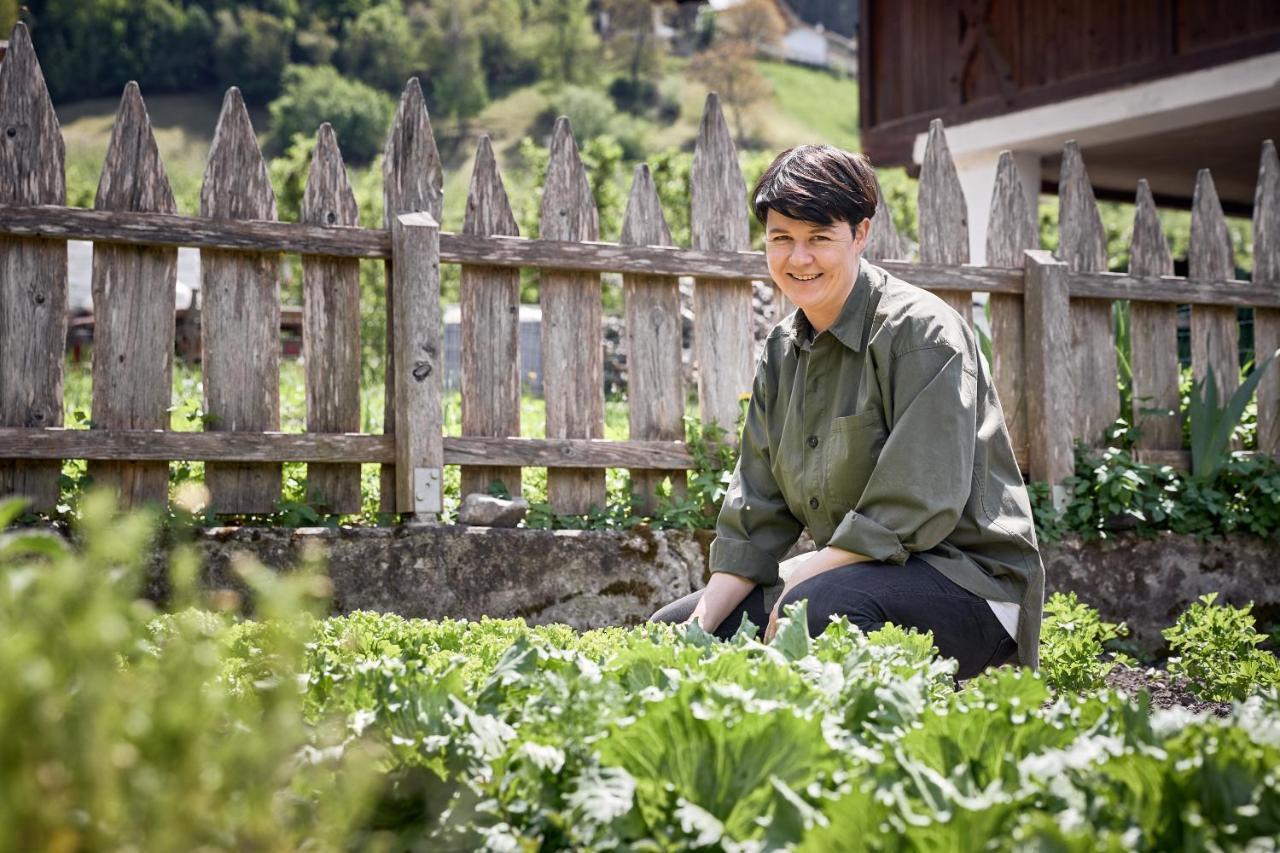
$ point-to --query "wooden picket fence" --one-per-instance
(1052, 332)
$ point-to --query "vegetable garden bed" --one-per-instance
(199, 728)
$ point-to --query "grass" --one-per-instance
(809, 106)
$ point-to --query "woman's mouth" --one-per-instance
(804, 277)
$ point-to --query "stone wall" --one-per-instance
(592, 579)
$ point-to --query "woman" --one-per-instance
(873, 422)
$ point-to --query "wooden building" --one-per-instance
(1149, 88)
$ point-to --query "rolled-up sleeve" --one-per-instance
(755, 527)
(923, 477)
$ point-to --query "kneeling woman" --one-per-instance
(873, 422)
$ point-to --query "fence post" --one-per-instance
(1266, 271)
(33, 288)
(1010, 233)
(1083, 246)
(1153, 335)
(331, 326)
(1047, 342)
(944, 225)
(412, 180)
(133, 303)
(419, 357)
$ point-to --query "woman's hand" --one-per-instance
(809, 566)
(724, 592)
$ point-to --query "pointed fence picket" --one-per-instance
(1266, 274)
(240, 332)
(1153, 335)
(944, 225)
(723, 343)
(1082, 245)
(490, 303)
(1215, 336)
(1052, 334)
(572, 315)
(134, 293)
(33, 271)
(1011, 231)
(655, 383)
(331, 326)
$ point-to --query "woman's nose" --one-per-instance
(801, 254)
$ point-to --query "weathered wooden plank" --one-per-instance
(1010, 233)
(655, 380)
(116, 444)
(1082, 245)
(944, 219)
(723, 343)
(1169, 290)
(419, 364)
(33, 272)
(490, 298)
(1050, 386)
(884, 242)
(133, 304)
(572, 325)
(1266, 274)
(154, 229)
(331, 326)
(240, 329)
(1153, 335)
(1215, 334)
(412, 181)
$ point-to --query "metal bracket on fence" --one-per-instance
(427, 491)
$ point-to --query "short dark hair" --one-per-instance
(817, 183)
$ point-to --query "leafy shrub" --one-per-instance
(313, 95)
(1216, 646)
(122, 731)
(1071, 644)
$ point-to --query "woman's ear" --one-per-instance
(861, 234)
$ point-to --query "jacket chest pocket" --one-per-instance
(852, 450)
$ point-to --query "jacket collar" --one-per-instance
(850, 324)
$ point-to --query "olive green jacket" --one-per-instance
(883, 436)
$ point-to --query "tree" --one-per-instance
(728, 68)
(379, 48)
(315, 94)
(251, 51)
(633, 43)
(457, 78)
(565, 42)
(755, 23)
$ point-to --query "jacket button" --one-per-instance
(813, 503)
(813, 441)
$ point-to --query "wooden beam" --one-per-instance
(163, 445)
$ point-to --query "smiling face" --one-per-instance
(815, 265)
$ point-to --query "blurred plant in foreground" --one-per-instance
(124, 731)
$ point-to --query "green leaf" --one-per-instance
(792, 638)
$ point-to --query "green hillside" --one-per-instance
(798, 108)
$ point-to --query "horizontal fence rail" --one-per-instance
(1053, 340)
(172, 230)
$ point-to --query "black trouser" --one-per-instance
(914, 595)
